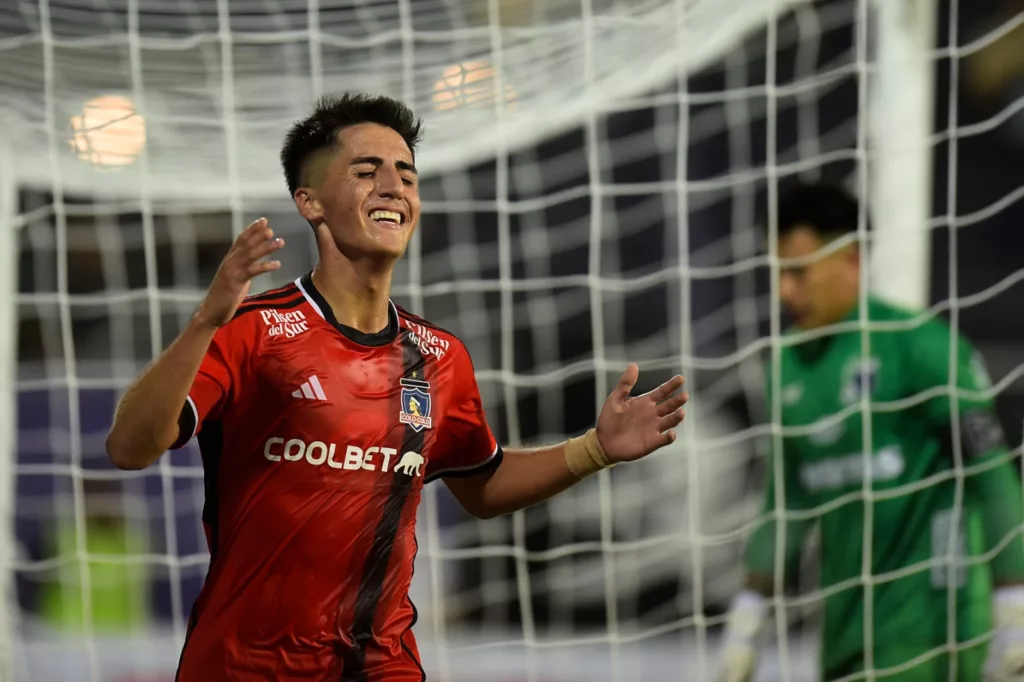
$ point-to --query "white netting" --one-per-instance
(606, 213)
(215, 81)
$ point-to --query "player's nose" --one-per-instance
(389, 183)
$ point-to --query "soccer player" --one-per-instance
(321, 409)
(914, 503)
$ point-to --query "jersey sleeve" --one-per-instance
(465, 445)
(764, 541)
(996, 486)
(963, 397)
(212, 388)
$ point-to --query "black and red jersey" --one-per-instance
(316, 442)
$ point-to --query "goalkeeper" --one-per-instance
(916, 557)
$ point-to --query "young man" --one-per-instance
(321, 409)
(914, 499)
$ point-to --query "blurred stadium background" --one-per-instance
(594, 173)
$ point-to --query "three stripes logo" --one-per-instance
(310, 390)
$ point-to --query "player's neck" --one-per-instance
(358, 296)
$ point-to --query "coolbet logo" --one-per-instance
(319, 453)
(284, 324)
(415, 404)
(410, 463)
(427, 341)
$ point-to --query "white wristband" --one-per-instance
(1009, 594)
(1009, 606)
(746, 615)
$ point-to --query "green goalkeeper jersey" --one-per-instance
(913, 526)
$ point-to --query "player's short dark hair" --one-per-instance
(827, 209)
(319, 130)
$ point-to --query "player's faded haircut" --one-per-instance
(318, 132)
(827, 209)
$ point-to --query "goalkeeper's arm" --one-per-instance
(749, 608)
(995, 490)
(1001, 501)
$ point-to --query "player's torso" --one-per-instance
(336, 419)
(322, 464)
(821, 399)
(824, 388)
(837, 457)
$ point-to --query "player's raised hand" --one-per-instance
(629, 428)
(243, 262)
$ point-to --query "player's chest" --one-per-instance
(350, 411)
(824, 397)
(824, 417)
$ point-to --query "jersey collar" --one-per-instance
(319, 303)
(812, 349)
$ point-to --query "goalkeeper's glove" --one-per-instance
(739, 650)
(1006, 651)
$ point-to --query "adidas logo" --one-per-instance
(310, 389)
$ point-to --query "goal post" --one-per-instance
(900, 135)
(8, 420)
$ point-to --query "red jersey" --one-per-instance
(316, 442)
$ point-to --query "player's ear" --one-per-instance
(308, 204)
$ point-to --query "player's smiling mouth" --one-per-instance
(387, 218)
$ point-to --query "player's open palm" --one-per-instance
(243, 261)
(629, 428)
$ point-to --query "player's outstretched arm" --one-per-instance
(627, 429)
(146, 419)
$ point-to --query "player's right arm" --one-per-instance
(749, 608)
(146, 420)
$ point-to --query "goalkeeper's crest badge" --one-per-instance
(862, 378)
(415, 404)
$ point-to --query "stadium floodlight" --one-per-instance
(469, 84)
(108, 132)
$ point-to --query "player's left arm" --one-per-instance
(996, 488)
(970, 408)
(627, 429)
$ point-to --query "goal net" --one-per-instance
(593, 176)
